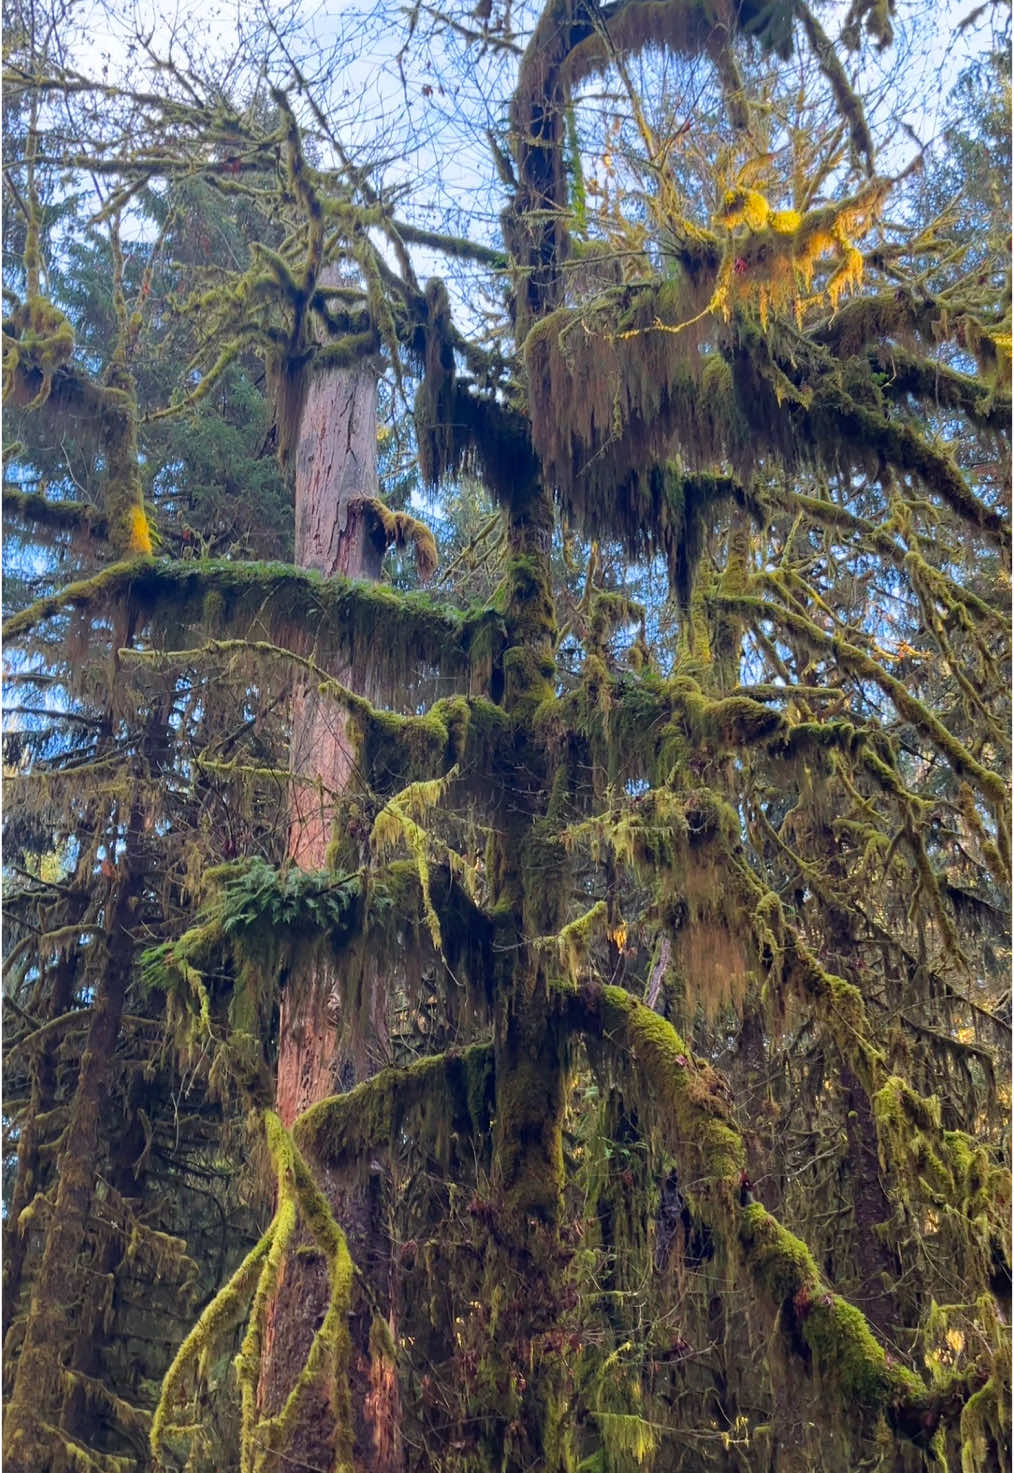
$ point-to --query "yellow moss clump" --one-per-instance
(401, 529)
(139, 532)
(744, 207)
(773, 265)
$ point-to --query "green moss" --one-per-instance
(295, 607)
(403, 530)
(220, 1315)
(985, 1419)
(845, 1348)
(38, 340)
(847, 1351)
(684, 1100)
(452, 1090)
(69, 516)
(781, 1262)
(330, 1349)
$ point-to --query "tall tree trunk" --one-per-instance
(519, 1405)
(40, 1416)
(335, 473)
(336, 533)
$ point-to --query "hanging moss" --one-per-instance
(444, 1093)
(401, 529)
(487, 437)
(434, 400)
(290, 604)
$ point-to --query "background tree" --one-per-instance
(696, 912)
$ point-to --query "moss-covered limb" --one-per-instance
(985, 628)
(935, 383)
(572, 943)
(103, 1402)
(46, 1032)
(614, 386)
(454, 1089)
(676, 712)
(688, 1105)
(66, 1452)
(688, 1101)
(123, 496)
(861, 665)
(848, 103)
(837, 1334)
(948, 1168)
(909, 453)
(985, 1418)
(64, 938)
(452, 245)
(876, 321)
(60, 516)
(399, 821)
(274, 596)
(838, 1003)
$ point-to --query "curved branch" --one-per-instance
(909, 453)
(862, 666)
(690, 1102)
(345, 1128)
(63, 516)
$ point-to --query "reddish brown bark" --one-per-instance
(335, 470)
(335, 474)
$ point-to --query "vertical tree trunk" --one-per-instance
(519, 1406)
(335, 470)
(335, 475)
(40, 1408)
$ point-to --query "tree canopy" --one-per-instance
(549, 1010)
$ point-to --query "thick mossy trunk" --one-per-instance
(521, 1382)
(520, 1401)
